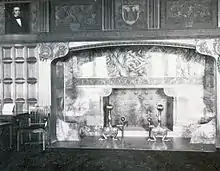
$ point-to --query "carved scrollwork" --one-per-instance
(206, 47)
(189, 12)
(170, 92)
(209, 47)
(51, 51)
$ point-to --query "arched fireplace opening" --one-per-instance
(134, 79)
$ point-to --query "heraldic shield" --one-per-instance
(130, 13)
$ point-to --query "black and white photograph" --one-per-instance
(17, 19)
(108, 85)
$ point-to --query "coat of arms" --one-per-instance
(130, 13)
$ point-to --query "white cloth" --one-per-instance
(19, 21)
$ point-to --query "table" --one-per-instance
(7, 124)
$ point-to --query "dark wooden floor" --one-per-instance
(73, 156)
(111, 160)
(136, 143)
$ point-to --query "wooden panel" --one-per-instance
(19, 76)
(44, 15)
(32, 76)
(19, 62)
(40, 16)
(108, 14)
(130, 14)
(35, 13)
(153, 14)
(8, 74)
(112, 35)
(1, 77)
(71, 16)
(180, 14)
(2, 18)
(136, 15)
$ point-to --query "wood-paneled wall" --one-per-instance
(19, 76)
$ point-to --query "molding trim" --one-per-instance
(103, 44)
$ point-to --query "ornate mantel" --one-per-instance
(51, 52)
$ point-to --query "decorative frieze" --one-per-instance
(135, 81)
(181, 14)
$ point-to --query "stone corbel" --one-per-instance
(51, 51)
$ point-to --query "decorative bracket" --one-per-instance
(51, 51)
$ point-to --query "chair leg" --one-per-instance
(10, 134)
(18, 141)
(29, 136)
(22, 139)
(39, 136)
(43, 133)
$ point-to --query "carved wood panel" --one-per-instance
(130, 14)
(181, 14)
(19, 76)
(74, 16)
(136, 15)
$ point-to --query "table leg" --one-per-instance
(10, 136)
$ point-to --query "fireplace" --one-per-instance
(135, 79)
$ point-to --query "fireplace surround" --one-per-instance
(181, 74)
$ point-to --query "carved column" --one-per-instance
(48, 52)
(211, 47)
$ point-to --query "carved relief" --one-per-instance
(217, 49)
(206, 47)
(50, 51)
(136, 62)
(188, 13)
(74, 17)
(130, 14)
(131, 63)
(134, 81)
(209, 47)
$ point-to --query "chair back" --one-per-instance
(39, 115)
(22, 120)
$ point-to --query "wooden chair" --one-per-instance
(36, 121)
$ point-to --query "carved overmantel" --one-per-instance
(49, 52)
